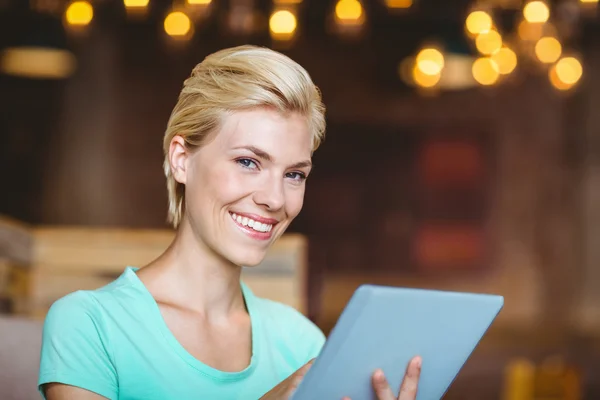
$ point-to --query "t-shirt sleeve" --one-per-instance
(75, 348)
(314, 339)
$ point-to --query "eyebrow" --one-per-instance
(267, 157)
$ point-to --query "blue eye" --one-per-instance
(297, 176)
(247, 163)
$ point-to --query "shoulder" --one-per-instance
(87, 309)
(291, 326)
(77, 306)
(76, 347)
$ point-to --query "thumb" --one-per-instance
(297, 376)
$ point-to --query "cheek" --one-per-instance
(222, 185)
(294, 202)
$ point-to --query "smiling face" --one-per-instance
(244, 187)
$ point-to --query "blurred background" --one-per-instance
(462, 153)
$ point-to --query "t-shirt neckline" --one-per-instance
(131, 275)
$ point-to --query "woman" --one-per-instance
(237, 150)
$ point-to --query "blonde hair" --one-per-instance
(231, 80)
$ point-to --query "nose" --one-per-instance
(270, 194)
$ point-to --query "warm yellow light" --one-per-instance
(282, 24)
(548, 50)
(569, 70)
(488, 42)
(505, 59)
(588, 1)
(79, 13)
(136, 3)
(398, 3)
(430, 61)
(424, 80)
(536, 12)
(177, 24)
(37, 63)
(199, 2)
(556, 81)
(528, 31)
(485, 71)
(348, 10)
(478, 22)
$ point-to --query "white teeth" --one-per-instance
(257, 226)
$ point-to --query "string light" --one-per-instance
(136, 3)
(548, 50)
(425, 80)
(430, 61)
(530, 32)
(505, 59)
(485, 71)
(79, 13)
(348, 11)
(536, 12)
(488, 42)
(398, 3)
(555, 80)
(177, 24)
(478, 22)
(569, 70)
(282, 24)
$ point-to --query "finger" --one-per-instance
(297, 377)
(410, 383)
(381, 386)
(304, 369)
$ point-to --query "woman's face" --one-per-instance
(244, 187)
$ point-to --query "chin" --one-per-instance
(246, 257)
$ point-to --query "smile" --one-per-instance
(252, 224)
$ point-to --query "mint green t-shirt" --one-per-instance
(113, 341)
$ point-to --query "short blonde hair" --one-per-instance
(235, 79)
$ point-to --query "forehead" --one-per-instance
(282, 135)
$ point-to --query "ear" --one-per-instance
(178, 157)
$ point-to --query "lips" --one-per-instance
(253, 225)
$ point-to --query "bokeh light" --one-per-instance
(488, 42)
(536, 12)
(177, 24)
(478, 22)
(485, 71)
(548, 50)
(505, 59)
(79, 13)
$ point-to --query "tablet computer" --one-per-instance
(384, 327)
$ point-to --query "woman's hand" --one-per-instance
(284, 390)
(408, 389)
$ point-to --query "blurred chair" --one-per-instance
(20, 342)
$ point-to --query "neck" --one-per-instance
(191, 275)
